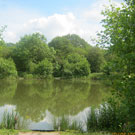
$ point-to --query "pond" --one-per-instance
(42, 101)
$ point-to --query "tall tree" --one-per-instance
(76, 41)
(62, 46)
(30, 50)
(119, 36)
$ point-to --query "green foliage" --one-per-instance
(126, 95)
(67, 56)
(107, 118)
(44, 69)
(30, 50)
(57, 68)
(62, 46)
(76, 65)
(76, 41)
(79, 45)
(28, 76)
(96, 59)
(119, 36)
(7, 68)
(70, 47)
(5, 51)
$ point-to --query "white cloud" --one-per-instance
(86, 23)
(55, 25)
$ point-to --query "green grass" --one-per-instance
(12, 131)
(16, 132)
(8, 132)
(78, 133)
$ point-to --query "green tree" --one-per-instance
(62, 46)
(96, 59)
(44, 69)
(31, 50)
(76, 41)
(119, 36)
(65, 46)
(7, 68)
(76, 65)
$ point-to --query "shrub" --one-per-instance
(44, 69)
(106, 118)
(7, 68)
(76, 65)
(28, 76)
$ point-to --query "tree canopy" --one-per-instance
(65, 56)
(31, 49)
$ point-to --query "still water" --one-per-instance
(40, 101)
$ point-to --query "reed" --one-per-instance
(12, 120)
(63, 124)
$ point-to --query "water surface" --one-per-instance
(40, 101)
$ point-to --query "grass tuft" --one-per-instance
(12, 121)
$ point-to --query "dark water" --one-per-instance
(40, 101)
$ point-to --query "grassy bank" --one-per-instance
(8, 132)
(16, 132)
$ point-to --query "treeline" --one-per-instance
(66, 56)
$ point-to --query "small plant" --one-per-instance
(76, 126)
(92, 121)
(12, 121)
(63, 124)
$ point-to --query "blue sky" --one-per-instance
(52, 17)
(47, 7)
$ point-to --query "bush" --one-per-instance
(76, 65)
(28, 76)
(7, 68)
(44, 69)
(107, 118)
